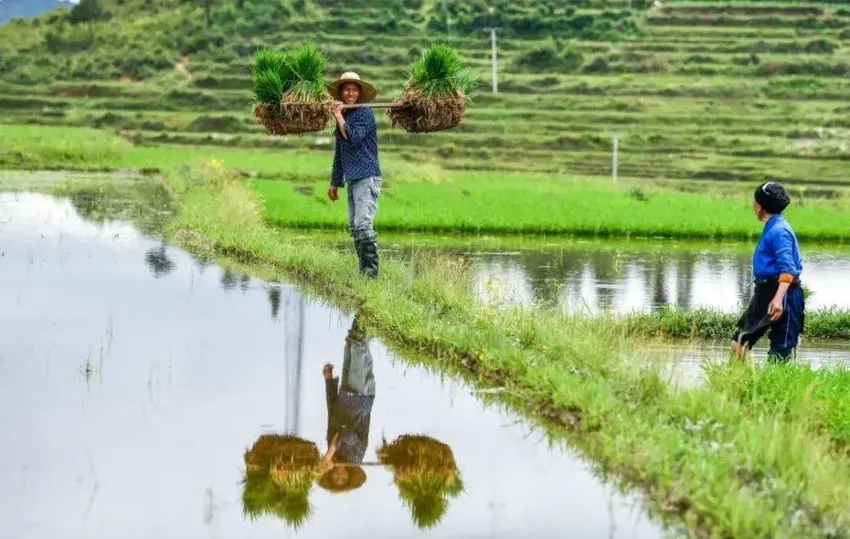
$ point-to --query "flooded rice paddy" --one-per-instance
(134, 377)
(584, 278)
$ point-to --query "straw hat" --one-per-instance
(367, 91)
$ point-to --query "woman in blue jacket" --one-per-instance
(777, 304)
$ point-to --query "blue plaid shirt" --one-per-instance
(349, 415)
(357, 157)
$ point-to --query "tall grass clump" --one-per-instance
(288, 90)
(675, 323)
(435, 93)
(818, 399)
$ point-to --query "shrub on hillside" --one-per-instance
(28, 74)
(700, 59)
(87, 11)
(527, 18)
(142, 64)
(218, 124)
(699, 69)
(816, 46)
(808, 67)
(549, 57)
(189, 98)
(206, 39)
(371, 57)
(598, 65)
(219, 82)
(649, 65)
(547, 82)
(68, 40)
(544, 58)
(83, 67)
(572, 59)
(821, 46)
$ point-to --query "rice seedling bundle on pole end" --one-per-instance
(289, 92)
(435, 93)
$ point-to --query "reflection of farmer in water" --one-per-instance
(349, 413)
(426, 474)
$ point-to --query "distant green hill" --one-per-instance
(10, 9)
(699, 90)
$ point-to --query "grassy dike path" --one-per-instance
(734, 458)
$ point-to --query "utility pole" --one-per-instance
(615, 156)
(294, 358)
(493, 53)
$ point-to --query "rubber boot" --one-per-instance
(369, 254)
(358, 248)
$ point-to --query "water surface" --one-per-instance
(594, 276)
(134, 377)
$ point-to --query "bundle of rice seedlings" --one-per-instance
(435, 93)
(289, 90)
(279, 474)
(426, 474)
(279, 453)
(262, 496)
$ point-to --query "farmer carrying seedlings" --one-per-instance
(777, 303)
(349, 413)
(356, 164)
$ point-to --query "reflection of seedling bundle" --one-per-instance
(426, 474)
(435, 93)
(289, 91)
(279, 472)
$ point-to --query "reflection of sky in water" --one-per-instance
(625, 282)
(686, 360)
(187, 368)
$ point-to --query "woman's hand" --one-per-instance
(337, 111)
(340, 121)
(775, 309)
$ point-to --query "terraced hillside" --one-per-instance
(698, 90)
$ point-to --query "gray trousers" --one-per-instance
(357, 372)
(362, 206)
